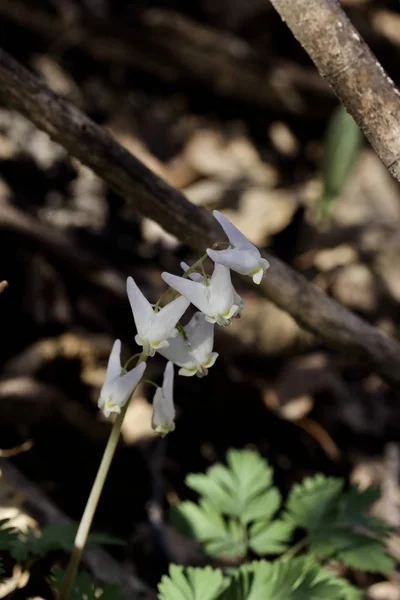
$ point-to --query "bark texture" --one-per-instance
(351, 69)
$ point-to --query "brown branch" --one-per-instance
(154, 198)
(355, 75)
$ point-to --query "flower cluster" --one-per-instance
(189, 347)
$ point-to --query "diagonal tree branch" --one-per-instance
(154, 198)
(355, 75)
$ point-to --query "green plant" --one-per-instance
(240, 513)
(342, 147)
(295, 579)
(236, 509)
(84, 588)
(28, 546)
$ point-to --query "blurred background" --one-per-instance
(220, 100)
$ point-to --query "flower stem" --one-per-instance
(128, 362)
(194, 266)
(91, 505)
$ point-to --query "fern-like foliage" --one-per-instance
(23, 545)
(8, 535)
(192, 583)
(235, 510)
(296, 579)
(338, 524)
(84, 588)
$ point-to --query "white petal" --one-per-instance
(241, 261)
(125, 385)
(141, 307)
(197, 293)
(114, 362)
(165, 320)
(163, 404)
(264, 264)
(238, 301)
(258, 275)
(201, 338)
(184, 266)
(187, 372)
(178, 352)
(162, 420)
(235, 236)
(211, 360)
(192, 276)
(144, 342)
(168, 381)
(222, 292)
(116, 393)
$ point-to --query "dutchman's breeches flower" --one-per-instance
(154, 328)
(243, 257)
(194, 354)
(118, 385)
(163, 419)
(216, 297)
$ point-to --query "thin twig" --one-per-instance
(152, 197)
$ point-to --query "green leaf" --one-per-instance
(345, 591)
(52, 537)
(233, 544)
(111, 592)
(192, 584)
(8, 535)
(208, 487)
(84, 588)
(353, 511)
(242, 490)
(270, 538)
(219, 536)
(24, 545)
(233, 500)
(338, 524)
(311, 501)
(356, 550)
(296, 579)
(342, 148)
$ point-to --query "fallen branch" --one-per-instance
(355, 75)
(152, 197)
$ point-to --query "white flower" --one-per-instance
(198, 277)
(244, 258)
(153, 328)
(118, 385)
(194, 355)
(163, 404)
(216, 298)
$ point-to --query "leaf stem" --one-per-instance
(294, 549)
